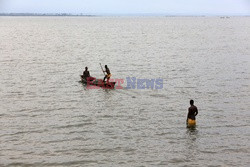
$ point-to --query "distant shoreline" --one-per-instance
(114, 15)
(44, 14)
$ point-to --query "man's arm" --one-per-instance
(187, 115)
(196, 112)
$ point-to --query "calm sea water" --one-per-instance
(48, 118)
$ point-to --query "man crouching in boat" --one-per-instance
(108, 75)
(86, 75)
(192, 112)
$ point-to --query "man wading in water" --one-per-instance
(192, 112)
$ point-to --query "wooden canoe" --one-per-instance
(97, 82)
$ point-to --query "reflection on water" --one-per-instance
(191, 145)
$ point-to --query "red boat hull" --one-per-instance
(92, 83)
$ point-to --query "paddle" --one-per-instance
(102, 69)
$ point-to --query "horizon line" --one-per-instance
(113, 14)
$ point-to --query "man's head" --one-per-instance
(86, 68)
(191, 102)
(106, 66)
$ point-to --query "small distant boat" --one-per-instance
(98, 82)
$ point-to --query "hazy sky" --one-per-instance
(189, 7)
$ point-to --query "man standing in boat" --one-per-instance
(108, 75)
(192, 112)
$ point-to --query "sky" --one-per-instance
(165, 7)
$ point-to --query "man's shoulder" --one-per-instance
(193, 107)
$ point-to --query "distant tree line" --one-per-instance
(42, 14)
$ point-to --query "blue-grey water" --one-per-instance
(48, 118)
